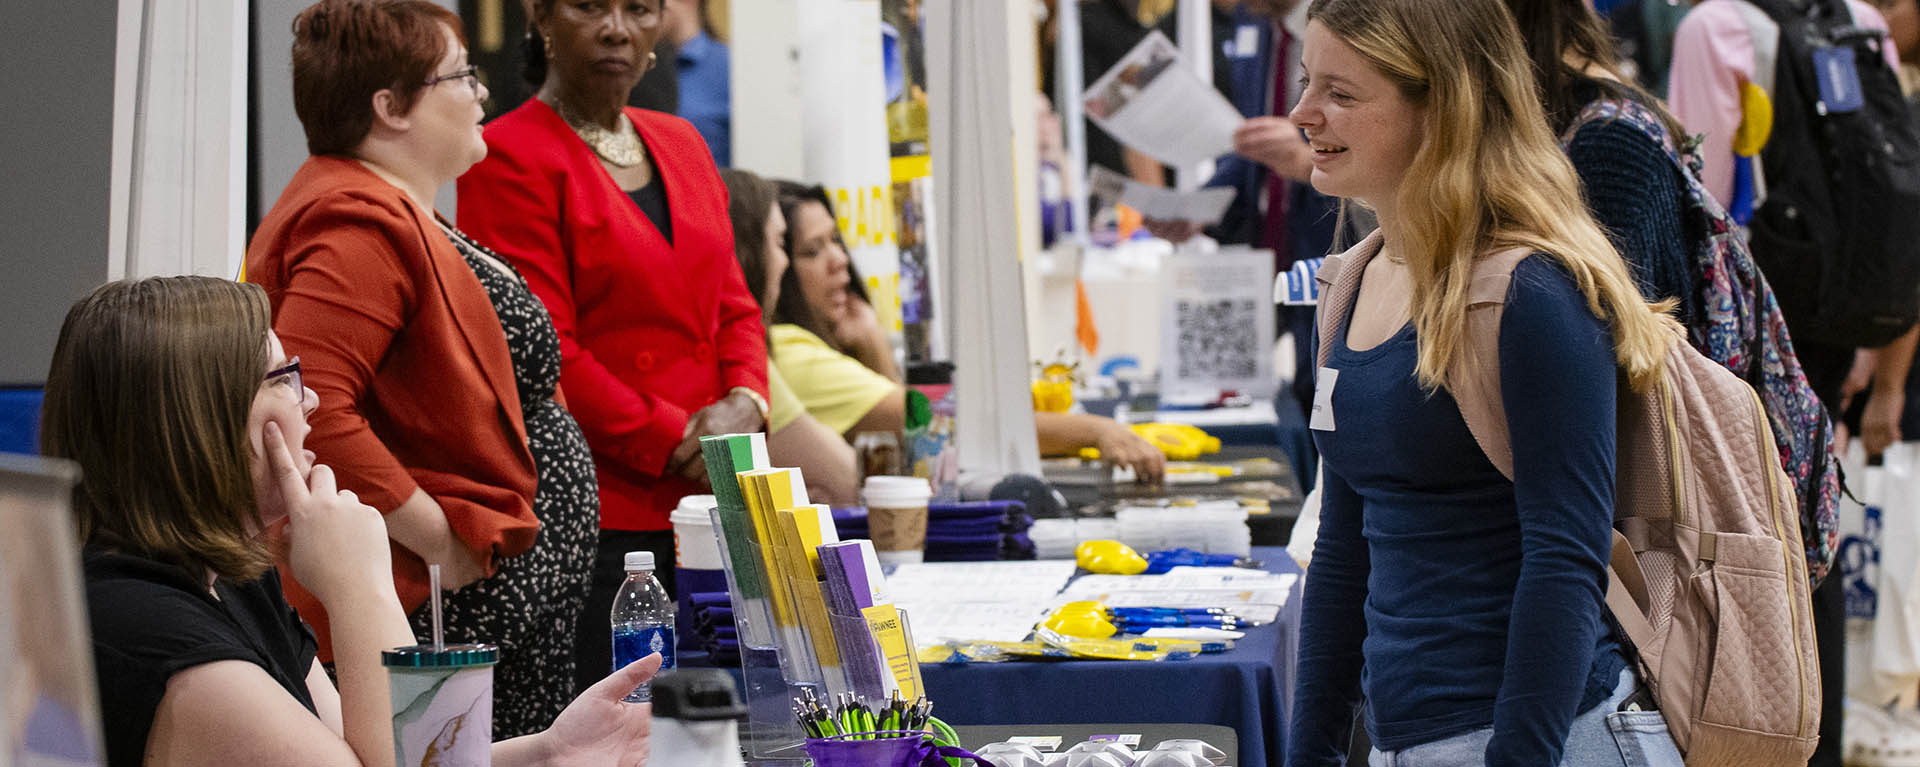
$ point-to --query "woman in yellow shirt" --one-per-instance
(794, 437)
(830, 348)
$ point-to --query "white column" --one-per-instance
(764, 40)
(180, 138)
(980, 60)
(1069, 66)
(1195, 22)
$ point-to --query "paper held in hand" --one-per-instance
(1202, 206)
(1152, 102)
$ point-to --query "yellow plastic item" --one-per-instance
(1756, 121)
(1109, 558)
(1053, 384)
(1112, 649)
(1179, 441)
(1080, 623)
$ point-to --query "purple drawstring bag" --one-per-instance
(905, 749)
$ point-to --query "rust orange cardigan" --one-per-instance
(399, 339)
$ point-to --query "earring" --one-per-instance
(652, 58)
(546, 44)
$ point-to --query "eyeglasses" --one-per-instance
(470, 74)
(289, 375)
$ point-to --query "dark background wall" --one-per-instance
(55, 172)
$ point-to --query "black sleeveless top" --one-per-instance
(152, 620)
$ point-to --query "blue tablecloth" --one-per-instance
(1248, 688)
(20, 420)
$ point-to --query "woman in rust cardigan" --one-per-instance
(619, 220)
(436, 367)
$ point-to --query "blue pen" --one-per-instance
(1160, 612)
(1178, 621)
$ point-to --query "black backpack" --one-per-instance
(1838, 233)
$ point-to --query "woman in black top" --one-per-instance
(187, 421)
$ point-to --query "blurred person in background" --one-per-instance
(794, 438)
(704, 73)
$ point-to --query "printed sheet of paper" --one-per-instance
(1151, 102)
(998, 601)
(1204, 206)
(936, 622)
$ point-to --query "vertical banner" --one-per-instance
(844, 119)
(904, 53)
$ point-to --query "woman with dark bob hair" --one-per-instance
(437, 368)
(188, 419)
(619, 220)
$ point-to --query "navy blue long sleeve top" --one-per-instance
(1455, 598)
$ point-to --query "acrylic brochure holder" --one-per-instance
(769, 663)
(770, 537)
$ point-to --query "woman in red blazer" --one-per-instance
(619, 220)
(435, 365)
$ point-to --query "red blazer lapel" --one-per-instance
(676, 174)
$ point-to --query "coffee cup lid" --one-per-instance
(898, 484)
(885, 490)
(451, 656)
(696, 503)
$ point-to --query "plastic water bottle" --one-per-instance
(642, 621)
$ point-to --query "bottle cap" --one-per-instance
(639, 560)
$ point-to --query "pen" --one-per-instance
(1177, 621)
(1200, 611)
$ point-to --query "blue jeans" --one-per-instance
(1601, 737)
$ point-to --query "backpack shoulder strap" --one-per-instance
(1339, 280)
(1474, 379)
(1765, 33)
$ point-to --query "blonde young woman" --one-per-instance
(1468, 608)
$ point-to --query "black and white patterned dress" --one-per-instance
(531, 606)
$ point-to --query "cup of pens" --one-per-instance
(442, 697)
(853, 733)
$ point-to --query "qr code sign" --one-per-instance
(1218, 339)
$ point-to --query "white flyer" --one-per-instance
(1152, 102)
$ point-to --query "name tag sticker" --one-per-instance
(1839, 80)
(1246, 42)
(1322, 418)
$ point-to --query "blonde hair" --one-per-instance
(1488, 176)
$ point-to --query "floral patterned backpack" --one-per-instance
(1741, 328)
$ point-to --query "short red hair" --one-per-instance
(344, 51)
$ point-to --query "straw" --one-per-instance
(439, 640)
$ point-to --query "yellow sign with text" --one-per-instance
(866, 218)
